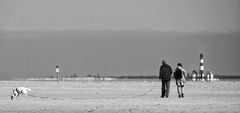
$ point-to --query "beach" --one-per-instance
(120, 96)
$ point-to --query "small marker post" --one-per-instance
(57, 71)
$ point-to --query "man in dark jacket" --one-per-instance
(165, 74)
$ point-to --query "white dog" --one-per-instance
(18, 91)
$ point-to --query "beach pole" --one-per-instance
(57, 71)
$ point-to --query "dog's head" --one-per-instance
(12, 97)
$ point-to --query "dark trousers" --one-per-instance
(165, 88)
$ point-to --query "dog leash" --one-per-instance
(54, 98)
(147, 91)
(137, 96)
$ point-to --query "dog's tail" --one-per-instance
(28, 89)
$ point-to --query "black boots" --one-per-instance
(181, 96)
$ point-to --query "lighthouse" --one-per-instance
(201, 67)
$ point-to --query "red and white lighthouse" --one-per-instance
(201, 67)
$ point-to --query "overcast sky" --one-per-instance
(117, 37)
(166, 15)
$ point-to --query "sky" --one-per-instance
(164, 15)
(117, 37)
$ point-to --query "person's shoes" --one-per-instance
(162, 96)
(179, 96)
(182, 95)
(166, 96)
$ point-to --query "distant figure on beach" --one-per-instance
(165, 74)
(179, 76)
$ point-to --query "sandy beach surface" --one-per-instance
(120, 97)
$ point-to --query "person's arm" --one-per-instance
(184, 75)
(171, 71)
(160, 73)
(174, 74)
(184, 72)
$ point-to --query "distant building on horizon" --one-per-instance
(202, 76)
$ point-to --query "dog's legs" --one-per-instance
(25, 95)
(16, 98)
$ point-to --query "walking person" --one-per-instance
(165, 74)
(179, 76)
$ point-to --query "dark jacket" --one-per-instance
(165, 72)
